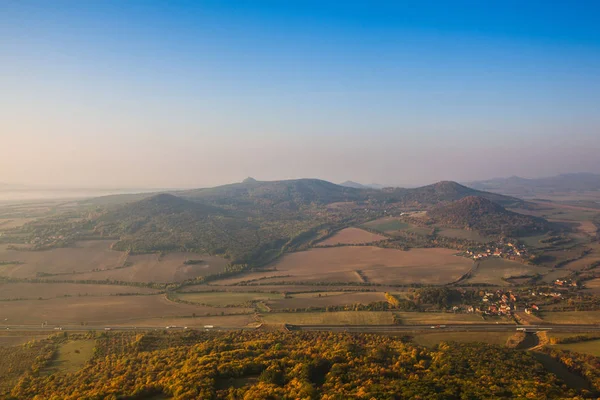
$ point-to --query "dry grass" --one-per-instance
(154, 268)
(14, 338)
(71, 356)
(11, 223)
(35, 291)
(379, 265)
(463, 234)
(352, 236)
(331, 318)
(101, 310)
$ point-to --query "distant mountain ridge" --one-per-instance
(524, 187)
(357, 185)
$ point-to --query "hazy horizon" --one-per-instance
(197, 94)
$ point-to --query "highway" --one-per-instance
(331, 328)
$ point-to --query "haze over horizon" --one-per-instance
(197, 94)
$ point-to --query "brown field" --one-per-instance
(326, 299)
(352, 236)
(593, 284)
(85, 256)
(154, 268)
(588, 227)
(101, 310)
(338, 264)
(492, 270)
(34, 291)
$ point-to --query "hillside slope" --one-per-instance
(485, 216)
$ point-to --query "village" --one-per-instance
(509, 250)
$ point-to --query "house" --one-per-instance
(535, 307)
(528, 311)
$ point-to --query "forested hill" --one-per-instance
(289, 194)
(489, 218)
(253, 222)
(444, 191)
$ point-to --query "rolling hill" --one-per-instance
(485, 216)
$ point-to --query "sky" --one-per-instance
(200, 93)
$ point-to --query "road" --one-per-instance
(447, 327)
(331, 328)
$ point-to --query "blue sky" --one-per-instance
(185, 94)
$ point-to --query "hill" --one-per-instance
(489, 218)
(444, 191)
(287, 194)
(524, 187)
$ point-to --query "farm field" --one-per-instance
(587, 347)
(387, 224)
(493, 270)
(102, 310)
(378, 265)
(10, 223)
(571, 317)
(433, 339)
(351, 236)
(226, 299)
(84, 256)
(330, 318)
(426, 318)
(156, 268)
(218, 321)
(34, 291)
(70, 356)
(326, 299)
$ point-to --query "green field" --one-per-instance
(225, 299)
(331, 318)
(432, 339)
(387, 225)
(71, 356)
(588, 347)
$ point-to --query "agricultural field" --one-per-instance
(374, 265)
(34, 291)
(154, 267)
(433, 339)
(352, 236)
(591, 347)
(12, 338)
(102, 310)
(325, 299)
(11, 223)
(431, 318)
(387, 224)
(227, 299)
(84, 256)
(571, 317)
(330, 318)
(198, 322)
(494, 270)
